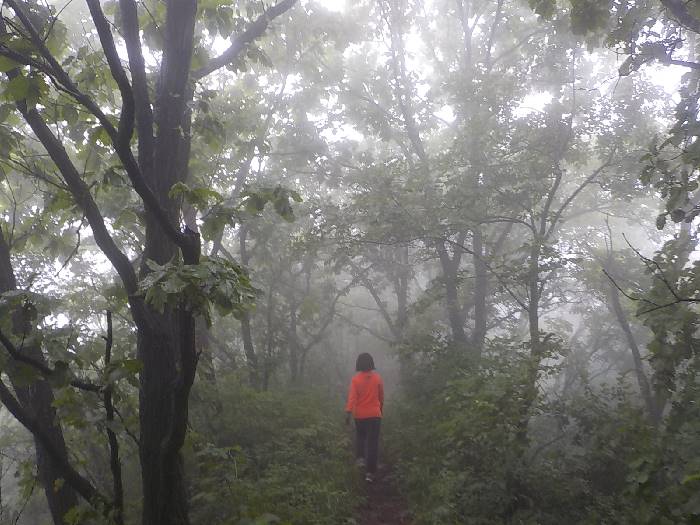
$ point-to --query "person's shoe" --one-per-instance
(369, 477)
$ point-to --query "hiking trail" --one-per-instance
(384, 505)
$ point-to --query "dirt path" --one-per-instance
(384, 505)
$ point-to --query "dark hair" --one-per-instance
(364, 363)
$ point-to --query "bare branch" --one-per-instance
(684, 63)
(365, 328)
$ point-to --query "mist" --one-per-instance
(349, 262)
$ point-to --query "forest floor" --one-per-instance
(384, 505)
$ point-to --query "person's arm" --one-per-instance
(381, 395)
(352, 400)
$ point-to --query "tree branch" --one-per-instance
(126, 120)
(239, 43)
(557, 215)
(137, 66)
(79, 483)
(43, 368)
(684, 63)
(498, 277)
(114, 462)
(315, 339)
(362, 274)
(81, 194)
(120, 139)
(679, 9)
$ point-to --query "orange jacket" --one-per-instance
(366, 396)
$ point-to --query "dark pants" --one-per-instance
(367, 441)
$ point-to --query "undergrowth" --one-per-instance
(271, 457)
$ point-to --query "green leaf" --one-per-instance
(7, 64)
(17, 89)
(122, 369)
(60, 201)
(199, 198)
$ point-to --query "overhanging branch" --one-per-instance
(254, 31)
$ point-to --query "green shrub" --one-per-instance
(271, 457)
(591, 458)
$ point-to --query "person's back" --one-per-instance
(366, 395)
(366, 405)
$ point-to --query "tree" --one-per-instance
(155, 105)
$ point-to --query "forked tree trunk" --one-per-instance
(450, 269)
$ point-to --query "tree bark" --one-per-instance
(38, 400)
(450, 266)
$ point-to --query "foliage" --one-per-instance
(214, 281)
(280, 454)
(592, 458)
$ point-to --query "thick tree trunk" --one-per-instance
(38, 399)
(164, 495)
(166, 342)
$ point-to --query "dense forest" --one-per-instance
(209, 208)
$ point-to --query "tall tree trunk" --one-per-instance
(401, 289)
(531, 372)
(480, 290)
(642, 380)
(246, 333)
(450, 266)
(166, 341)
(293, 344)
(38, 399)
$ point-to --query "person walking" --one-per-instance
(366, 405)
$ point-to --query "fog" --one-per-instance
(211, 211)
